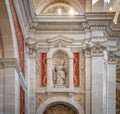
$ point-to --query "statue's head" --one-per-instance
(62, 62)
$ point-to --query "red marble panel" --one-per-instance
(76, 69)
(44, 69)
(22, 101)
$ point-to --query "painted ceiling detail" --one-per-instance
(59, 9)
(36, 4)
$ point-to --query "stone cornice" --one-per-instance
(13, 63)
(110, 57)
(113, 31)
(8, 62)
(99, 16)
(89, 21)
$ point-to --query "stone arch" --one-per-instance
(77, 107)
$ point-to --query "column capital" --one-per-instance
(88, 52)
(31, 47)
(94, 50)
(110, 57)
(97, 50)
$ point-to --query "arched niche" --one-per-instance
(60, 62)
(62, 101)
(54, 58)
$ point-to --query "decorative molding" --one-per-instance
(60, 40)
(58, 26)
(112, 57)
(113, 34)
(97, 50)
(99, 20)
(75, 49)
(80, 99)
(87, 52)
(40, 99)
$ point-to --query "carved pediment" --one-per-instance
(60, 41)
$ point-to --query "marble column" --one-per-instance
(27, 79)
(31, 73)
(97, 80)
(31, 63)
(88, 81)
(31, 86)
(110, 82)
(1, 90)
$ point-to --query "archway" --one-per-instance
(60, 101)
(60, 109)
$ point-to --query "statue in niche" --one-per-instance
(60, 73)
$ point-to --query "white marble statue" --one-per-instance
(60, 74)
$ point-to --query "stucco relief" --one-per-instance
(80, 99)
(40, 99)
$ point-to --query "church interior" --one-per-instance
(59, 56)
